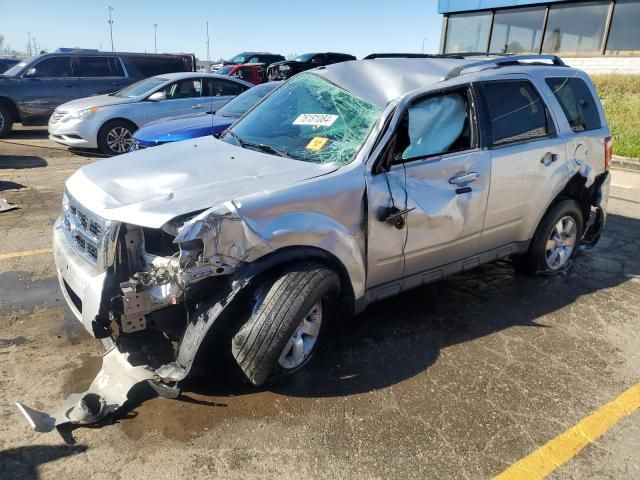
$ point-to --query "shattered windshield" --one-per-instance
(309, 119)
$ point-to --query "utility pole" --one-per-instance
(29, 34)
(423, 40)
(208, 58)
(35, 46)
(110, 21)
(155, 36)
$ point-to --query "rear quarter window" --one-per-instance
(516, 112)
(152, 66)
(577, 103)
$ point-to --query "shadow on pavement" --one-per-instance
(22, 462)
(21, 161)
(398, 338)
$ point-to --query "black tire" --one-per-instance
(533, 262)
(6, 120)
(109, 128)
(280, 309)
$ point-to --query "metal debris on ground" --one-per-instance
(6, 206)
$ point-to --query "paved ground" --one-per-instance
(457, 380)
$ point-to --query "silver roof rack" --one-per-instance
(505, 62)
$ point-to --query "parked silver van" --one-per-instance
(348, 184)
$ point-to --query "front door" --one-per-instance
(47, 85)
(182, 97)
(427, 210)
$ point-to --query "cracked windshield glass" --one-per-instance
(308, 119)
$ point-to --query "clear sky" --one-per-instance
(358, 27)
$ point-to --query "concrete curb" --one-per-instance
(625, 162)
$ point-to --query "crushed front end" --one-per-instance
(133, 288)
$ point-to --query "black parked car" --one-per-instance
(6, 63)
(254, 57)
(32, 89)
(285, 69)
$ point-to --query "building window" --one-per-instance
(624, 37)
(575, 28)
(517, 31)
(467, 32)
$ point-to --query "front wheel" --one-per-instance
(116, 137)
(555, 242)
(288, 318)
(6, 120)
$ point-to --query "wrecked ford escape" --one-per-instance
(348, 184)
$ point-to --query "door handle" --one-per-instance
(197, 106)
(549, 158)
(464, 178)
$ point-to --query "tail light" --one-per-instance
(608, 152)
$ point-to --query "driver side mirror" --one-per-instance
(31, 72)
(158, 96)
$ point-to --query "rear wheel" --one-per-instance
(6, 120)
(288, 318)
(555, 242)
(116, 137)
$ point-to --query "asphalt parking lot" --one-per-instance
(461, 379)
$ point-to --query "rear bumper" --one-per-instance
(597, 220)
(80, 283)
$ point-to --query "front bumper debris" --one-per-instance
(106, 394)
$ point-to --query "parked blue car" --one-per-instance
(174, 129)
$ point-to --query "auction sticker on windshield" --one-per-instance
(317, 143)
(316, 119)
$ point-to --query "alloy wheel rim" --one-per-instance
(561, 243)
(119, 139)
(304, 338)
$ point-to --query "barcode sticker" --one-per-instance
(316, 119)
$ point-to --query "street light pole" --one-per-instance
(208, 58)
(29, 34)
(110, 21)
(155, 36)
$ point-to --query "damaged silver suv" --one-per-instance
(348, 184)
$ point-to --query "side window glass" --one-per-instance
(53, 67)
(96, 67)
(184, 89)
(221, 88)
(516, 111)
(435, 125)
(577, 103)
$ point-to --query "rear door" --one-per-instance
(427, 210)
(99, 75)
(48, 84)
(182, 97)
(528, 160)
(218, 91)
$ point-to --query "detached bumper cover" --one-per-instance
(595, 225)
(108, 392)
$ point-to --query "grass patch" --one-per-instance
(620, 96)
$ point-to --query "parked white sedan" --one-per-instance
(107, 122)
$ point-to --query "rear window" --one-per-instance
(517, 112)
(577, 103)
(99, 67)
(151, 66)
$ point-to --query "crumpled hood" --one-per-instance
(150, 187)
(180, 128)
(95, 101)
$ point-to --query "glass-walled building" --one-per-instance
(589, 32)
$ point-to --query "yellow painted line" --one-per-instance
(28, 253)
(27, 171)
(561, 449)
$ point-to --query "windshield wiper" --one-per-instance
(263, 147)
